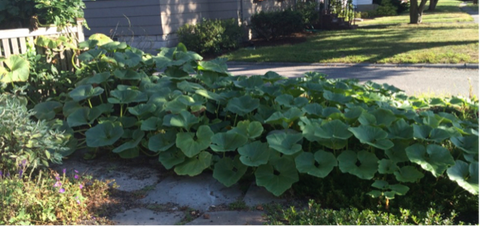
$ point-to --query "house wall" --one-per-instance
(151, 24)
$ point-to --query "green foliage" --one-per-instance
(386, 8)
(272, 25)
(17, 13)
(47, 198)
(211, 36)
(315, 215)
(398, 5)
(194, 116)
(309, 12)
(25, 140)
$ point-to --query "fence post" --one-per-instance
(80, 35)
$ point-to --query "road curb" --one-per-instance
(290, 64)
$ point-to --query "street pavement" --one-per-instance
(419, 79)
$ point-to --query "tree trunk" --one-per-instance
(416, 11)
(433, 5)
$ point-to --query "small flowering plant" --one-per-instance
(47, 198)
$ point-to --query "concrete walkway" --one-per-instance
(472, 12)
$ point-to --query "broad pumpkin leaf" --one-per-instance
(433, 158)
(227, 141)
(190, 144)
(46, 110)
(367, 163)
(336, 97)
(387, 166)
(142, 109)
(151, 124)
(242, 105)
(251, 130)
(194, 166)
(465, 175)
(162, 141)
(228, 171)
(319, 164)
(308, 126)
(184, 120)
(171, 157)
(313, 109)
(254, 154)
(132, 144)
(288, 116)
(286, 143)
(277, 176)
(408, 174)
(85, 92)
(372, 136)
(426, 132)
(469, 144)
(400, 130)
(83, 116)
(384, 117)
(103, 134)
(17, 69)
(125, 95)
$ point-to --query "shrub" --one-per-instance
(386, 8)
(271, 25)
(398, 5)
(309, 12)
(23, 139)
(211, 36)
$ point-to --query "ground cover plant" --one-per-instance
(193, 116)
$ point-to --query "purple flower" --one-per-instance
(57, 184)
(76, 176)
(78, 201)
(61, 190)
(81, 186)
(24, 162)
(64, 170)
(57, 177)
(1, 173)
(20, 172)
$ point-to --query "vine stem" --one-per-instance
(89, 103)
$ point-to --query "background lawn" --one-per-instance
(402, 43)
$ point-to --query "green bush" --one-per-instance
(211, 36)
(272, 25)
(309, 12)
(386, 8)
(315, 215)
(23, 139)
(398, 6)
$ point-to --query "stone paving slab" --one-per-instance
(259, 195)
(144, 216)
(230, 218)
(199, 192)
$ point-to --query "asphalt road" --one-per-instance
(414, 80)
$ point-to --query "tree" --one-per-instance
(416, 11)
(433, 5)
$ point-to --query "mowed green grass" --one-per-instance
(404, 43)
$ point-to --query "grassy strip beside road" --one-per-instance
(446, 11)
(425, 43)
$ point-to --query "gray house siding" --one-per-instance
(151, 24)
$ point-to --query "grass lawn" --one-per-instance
(403, 43)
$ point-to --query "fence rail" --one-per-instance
(14, 41)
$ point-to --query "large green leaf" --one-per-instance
(287, 100)
(132, 144)
(466, 175)
(387, 166)
(426, 132)
(171, 157)
(362, 164)
(83, 116)
(184, 120)
(277, 176)
(334, 129)
(85, 92)
(288, 116)
(384, 117)
(254, 154)
(128, 58)
(228, 171)
(408, 174)
(129, 74)
(394, 189)
(142, 109)
(251, 130)
(313, 109)
(191, 145)
(17, 69)
(227, 141)
(46, 110)
(103, 134)
(151, 124)
(286, 143)
(162, 141)
(319, 164)
(468, 144)
(242, 105)
(373, 136)
(336, 97)
(194, 166)
(125, 95)
(400, 130)
(435, 159)
(308, 126)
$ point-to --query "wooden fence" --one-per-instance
(14, 41)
